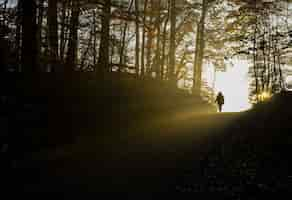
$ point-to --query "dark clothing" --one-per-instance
(220, 101)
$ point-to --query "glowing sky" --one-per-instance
(288, 83)
(234, 85)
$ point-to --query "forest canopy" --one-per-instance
(167, 40)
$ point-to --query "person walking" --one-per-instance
(220, 101)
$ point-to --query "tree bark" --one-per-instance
(94, 37)
(255, 59)
(53, 33)
(149, 50)
(199, 52)
(103, 59)
(18, 36)
(157, 62)
(63, 30)
(149, 45)
(143, 40)
(164, 38)
(71, 59)
(124, 33)
(172, 50)
(158, 54)
(137, 50)
(29, 35)
(39, 32)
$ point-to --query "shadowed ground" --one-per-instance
(145, 159)
(162, 149)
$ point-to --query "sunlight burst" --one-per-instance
(234, 85)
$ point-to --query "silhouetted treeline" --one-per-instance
(171, 40)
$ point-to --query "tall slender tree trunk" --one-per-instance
(94, 37)
(255, 61)
(124, 34)
(157, 58)
(63, 31)
(274, 63)
(29, 34)
(71, 59)
(164, 37)
(18, 36)
(264, 62)
(255, 56)
(39, 31)
(103, 59)
(143, 39)
(269, 57)
(172, 46)
(158, 53)
(199, 52)
(281, 80)
(84, 56)
(149, 50)
(53, 33)
(137, 50)
(149, 44)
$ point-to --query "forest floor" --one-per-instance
(168, 149)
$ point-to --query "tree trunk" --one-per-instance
(172, 51)
(84, 56)
(157, 54)
(149, 50)
(143, 39)
(39, 31)
(269, 58)
(18, 37)
(255, 60)
(163, 58)
(63, 30)
(137, 50)
(29, 34)
(71, 59)
(157, 25)
(103, 59)
(281, 80)
(53, 33)
(199, 52)
(149, 45)
(124, 33)
(94, 38)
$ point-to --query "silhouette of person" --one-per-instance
(220, 101)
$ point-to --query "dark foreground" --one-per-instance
(92, 148)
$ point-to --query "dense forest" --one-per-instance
(167, 40)
(106, 97)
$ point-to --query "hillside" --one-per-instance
(145, 141)
(51, 110)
